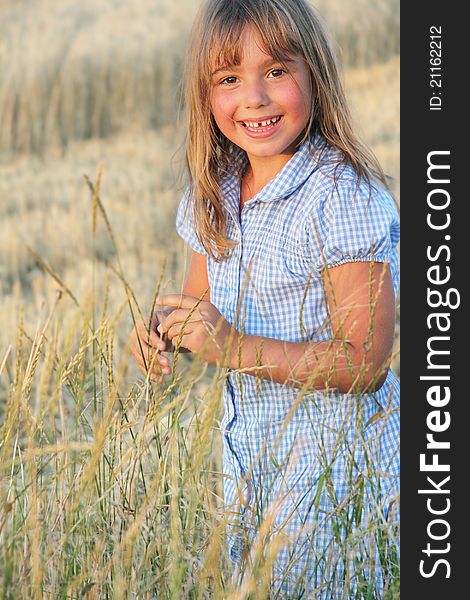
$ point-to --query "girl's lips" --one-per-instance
(262, 128)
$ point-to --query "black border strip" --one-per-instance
(424, 131)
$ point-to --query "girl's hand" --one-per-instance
(146, 344)
(199, 327)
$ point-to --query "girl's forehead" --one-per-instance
(231, 49)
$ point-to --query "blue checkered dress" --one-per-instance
(321, 467)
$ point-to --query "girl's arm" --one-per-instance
(361, 303)
(195, 284)
(197, 281)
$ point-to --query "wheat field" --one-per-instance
(111, 485)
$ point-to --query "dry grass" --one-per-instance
(93, 68)
(366, 32)
(96, 67)
(374, 94)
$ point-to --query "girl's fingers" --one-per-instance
(158, 362)
(149, 336)
(179, 316)
(155, 368)
(177, 300)
(140, 351)
(150, 355)
(145, 352)
(146, 345)
(175, 331)
(154, 341)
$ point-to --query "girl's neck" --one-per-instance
(259, 172)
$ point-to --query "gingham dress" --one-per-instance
(321, 468)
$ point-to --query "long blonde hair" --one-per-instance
(286, 28)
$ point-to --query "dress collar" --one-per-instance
(293, 175)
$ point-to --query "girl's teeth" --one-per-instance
(253, 125)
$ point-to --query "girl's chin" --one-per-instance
(269, 150)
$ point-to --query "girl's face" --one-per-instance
(260, 105)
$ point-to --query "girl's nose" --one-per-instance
(256, 94)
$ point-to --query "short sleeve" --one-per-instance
(185, 223)
(358, 223)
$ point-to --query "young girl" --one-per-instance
(291, 287)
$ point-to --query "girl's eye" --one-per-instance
(277, 73)
(229, 80)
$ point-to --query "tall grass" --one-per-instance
(94, 473)
(73, 70)
(366, 32)
(112, 486)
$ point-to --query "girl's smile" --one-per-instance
(261, 105)
(262, 127)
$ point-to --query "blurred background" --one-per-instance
(98, 82)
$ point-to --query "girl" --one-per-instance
(291, 287)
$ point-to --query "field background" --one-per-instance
(91, 83)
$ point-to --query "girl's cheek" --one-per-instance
(222, 105)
